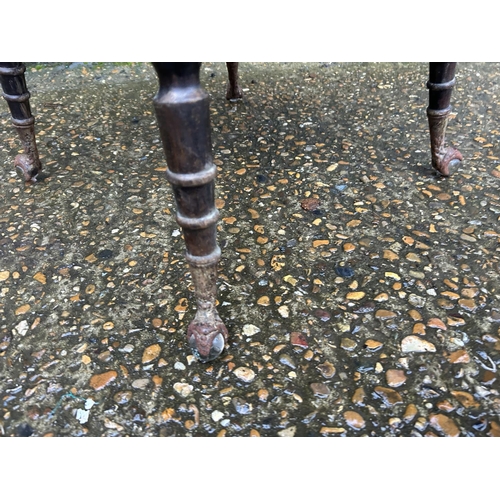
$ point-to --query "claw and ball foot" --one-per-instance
(207, 334)
(28, 163)
(443, 158)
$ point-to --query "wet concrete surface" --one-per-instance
(360, 289)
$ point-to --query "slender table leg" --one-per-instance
(233, 90)
(440, 85)
(182, 111)
(17, 96)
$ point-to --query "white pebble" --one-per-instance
(217, 415)
(288, 432)
(244, 373)
(250, 330)
(89, 403)
(183, 389)
(284, 311)
(22, 328)
(82, 415)
(412, 343)
(140, 383)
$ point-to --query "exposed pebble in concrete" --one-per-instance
(411, 343)
(418, 329)
(410, 413)
(460, 356)
(354, 420)
(395, 378)
(390, 396)
(384, 314)
(250, 330)
(141, 383)
(348, 344)
(320, 389)
(466, 399)
(359, 396)
(289, 432)
(101, 380)
(373, 345)
(182, 388)
(122, 397)
(326, 369)
(298, 339)
(244, 373)
(444, 424)
(217, 415)
(151, 353)
(436, 323)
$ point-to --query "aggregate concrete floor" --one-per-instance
(360, 289)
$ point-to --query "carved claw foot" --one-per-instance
(26, 167)
(233, 93)
(28, 163)
(207, 336)
(442, 157)
(451, 157)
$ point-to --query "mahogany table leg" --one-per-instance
(233, 90)
(440, 85)
(182, 111)
(17, 96)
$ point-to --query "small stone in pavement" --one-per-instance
(354, 420)
(288, 432)
(140, 383)
(412, 343)
(101, 380)
(444, 424)
(389, 396)
(151, 353)
(327, 369)
(320, 390)
(395, 378)
(122, 397)
(183, 389)
(244, 373)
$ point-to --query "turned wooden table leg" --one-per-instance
(233, 90)
(182, 111)
(17, 96)
(440, 85)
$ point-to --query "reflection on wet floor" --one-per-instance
(359, 288)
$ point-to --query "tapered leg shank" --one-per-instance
(233, 88)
